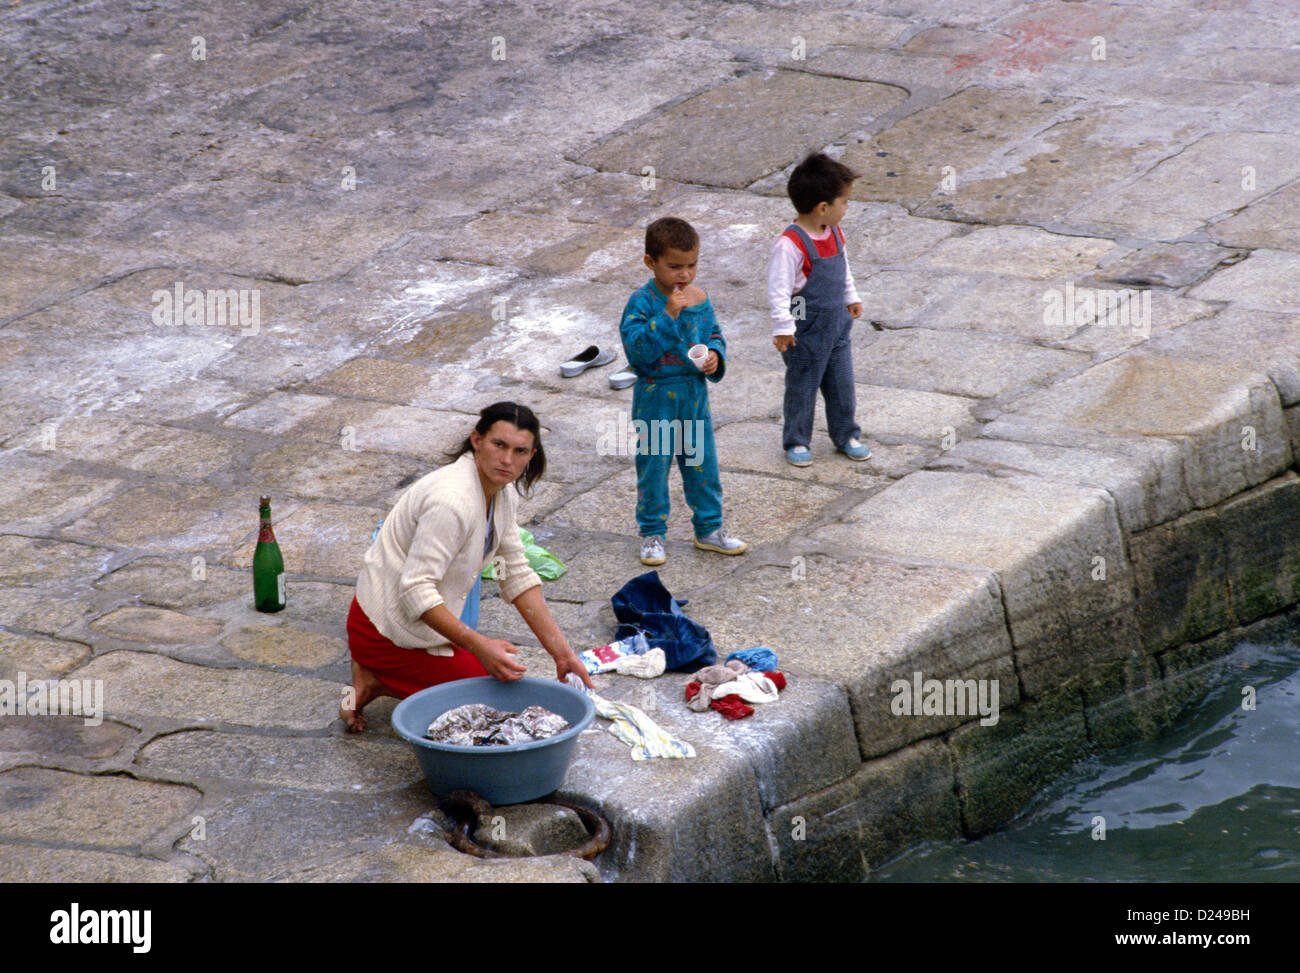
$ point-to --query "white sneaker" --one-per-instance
(652, 551)
(721, 542)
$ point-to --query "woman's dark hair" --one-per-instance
(521, 417)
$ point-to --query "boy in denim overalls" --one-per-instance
(814, 302)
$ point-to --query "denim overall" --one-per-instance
(822, 356)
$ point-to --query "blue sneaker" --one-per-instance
(799, 456)
(856, 450)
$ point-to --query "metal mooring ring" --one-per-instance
(467, 807)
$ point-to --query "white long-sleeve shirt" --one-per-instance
(786, 276)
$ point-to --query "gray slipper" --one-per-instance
(623, 378)
(589, 358)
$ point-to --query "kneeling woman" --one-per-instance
(404, 629)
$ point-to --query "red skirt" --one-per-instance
(404, 671)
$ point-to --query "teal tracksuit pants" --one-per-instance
(673, 423)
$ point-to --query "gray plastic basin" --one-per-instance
(509, 774)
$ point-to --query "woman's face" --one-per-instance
(503, 452)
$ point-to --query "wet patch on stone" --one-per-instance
(38, 657)
(158, 626)
(109, 813)
(718, 137)
(280, 646)
(352, 765)
(144, 686)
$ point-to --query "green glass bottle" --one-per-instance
(268, 566)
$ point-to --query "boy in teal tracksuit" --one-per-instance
(670, 402)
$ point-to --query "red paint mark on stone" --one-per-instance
(1036, 42)
(1029, 48)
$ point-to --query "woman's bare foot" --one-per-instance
(366, 687)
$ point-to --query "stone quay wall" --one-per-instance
(1075, 552)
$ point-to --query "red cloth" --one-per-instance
(777, 679)
(404, 671)
(692, 690)
(732, 707)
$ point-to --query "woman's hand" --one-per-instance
(567, 663)
(497, 655)
(498, 658)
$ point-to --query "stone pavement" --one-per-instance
(417, 211)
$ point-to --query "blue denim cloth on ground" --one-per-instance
(645, 605)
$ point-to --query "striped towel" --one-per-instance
(631, 725)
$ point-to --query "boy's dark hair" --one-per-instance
(521, 417)
(669, 232)
(818, 179)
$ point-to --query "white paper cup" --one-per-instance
(699, 354)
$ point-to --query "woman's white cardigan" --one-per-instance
(430, 550)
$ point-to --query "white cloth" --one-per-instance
(785, 277)
(752, 687)
(431, 549)
(649, 665)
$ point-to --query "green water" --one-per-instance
(1215, 799)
